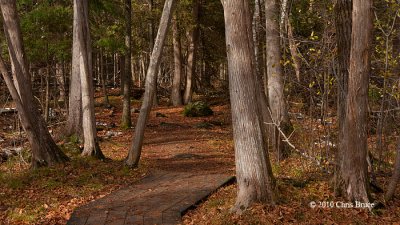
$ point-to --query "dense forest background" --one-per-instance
(298, 49)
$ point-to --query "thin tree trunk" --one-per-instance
(253, 171)
(151, 78)
(106, 102)
(293, 50)
(193, 36)
(354, 171)
(91, 147)
(127, 74)
(45, 152)
(176, 97)
(395, 177)
(61, 82)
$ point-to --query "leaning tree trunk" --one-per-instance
(193, 36)
(45, 152)
(91, 147)
(353, 168)
(136, 148)
(74, 121)
(126, 121)
(253, 171)
(343, 9)
(176, 97)
(276, 97)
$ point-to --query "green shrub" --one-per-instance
(197, 109)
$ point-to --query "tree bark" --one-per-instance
(193, 36)
(354, 171)
(343, 23)
(253, 171)
(91, 147)
(276, 97)
(136, 147)
(45, 152)
(74, 121)
(127, 74)
(176, 97)
(395, 177)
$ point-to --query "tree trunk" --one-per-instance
(293, 50)
(354, 171)
(276, 97)
(45, 152)
(136, 148)
(193, 36)
(176, 97)
(91, 147)
(60, 81)
(253, 171)
(343, 9)
(127, 73)
(74, 121)
(395, 177)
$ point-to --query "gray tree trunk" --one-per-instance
(176, 97)
(126, 121)
(354, 171)
(276, 97)
(44, 150)
(136, 147)
(91, 147)
(74, 121)
(193, 36)
(253, 170)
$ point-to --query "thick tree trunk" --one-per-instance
(126, 121)
(354, 171)
(176, 97)
(91, 147)
(136, 148)
(343, 9)
(193, 36)
(253, 171)
(276, 97)
(45, 152)
(74, 121)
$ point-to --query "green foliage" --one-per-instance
(197, 109)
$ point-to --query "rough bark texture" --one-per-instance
(276, 97)
(136, 148)
(354, 171)
(343, 9)
(126, 121)
(44, 150)
(91, 147)
(74, 121)
(193, 37)
(253, 171)
(395, 177)
(293, 50)
(176, 97)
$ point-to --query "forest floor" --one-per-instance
(181, 144)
